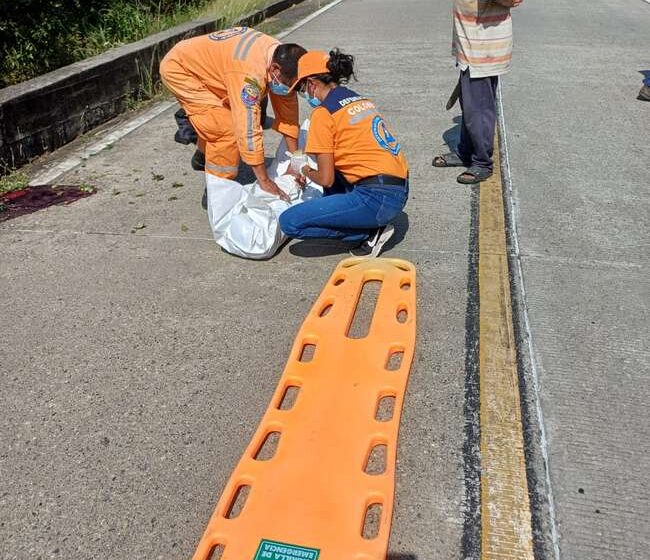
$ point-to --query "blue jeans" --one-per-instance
(345, 212)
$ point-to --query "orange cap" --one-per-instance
(311, 64)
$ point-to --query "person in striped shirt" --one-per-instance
(482, 45)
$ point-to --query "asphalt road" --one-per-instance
(579, 148)
(137, 365)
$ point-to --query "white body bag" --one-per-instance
(244, 218)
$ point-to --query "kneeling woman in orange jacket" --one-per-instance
(360, 162)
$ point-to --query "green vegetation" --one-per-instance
(37, 37)
(13, 182)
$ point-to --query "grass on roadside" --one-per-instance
(26, 52)
(150, 89)
(125, 22)
(14, 181)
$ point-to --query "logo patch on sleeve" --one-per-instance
(385, 137)
(253, 82)
(250, 95)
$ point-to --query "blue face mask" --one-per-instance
(313, 101)
(278, 88)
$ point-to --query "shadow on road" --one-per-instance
(451, 136)
(310, 248)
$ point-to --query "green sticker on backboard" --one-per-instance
(271, 550)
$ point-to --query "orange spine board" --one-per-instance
(310, 499)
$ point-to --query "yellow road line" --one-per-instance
(505, 508)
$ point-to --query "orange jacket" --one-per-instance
(349, 126)
(231, 70)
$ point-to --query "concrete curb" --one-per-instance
(542, 503)
(47, 112)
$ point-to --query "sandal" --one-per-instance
(474, 175)
(448, 160)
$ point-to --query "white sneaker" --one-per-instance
(373, 246)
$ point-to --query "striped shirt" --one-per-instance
(482, 38)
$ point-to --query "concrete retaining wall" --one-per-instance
(43, 114)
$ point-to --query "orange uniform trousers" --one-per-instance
(213, 123)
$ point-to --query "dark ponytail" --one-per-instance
(341, 66)
(340, 69)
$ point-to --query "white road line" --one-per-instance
(507, 178)
(50, 175)
(307, 19)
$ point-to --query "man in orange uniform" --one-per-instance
(220, 80)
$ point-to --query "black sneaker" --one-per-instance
(198, 161)
(373, 246)
(644, 94)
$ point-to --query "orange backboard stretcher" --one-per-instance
(317, 480)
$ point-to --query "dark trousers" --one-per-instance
(478, 103)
